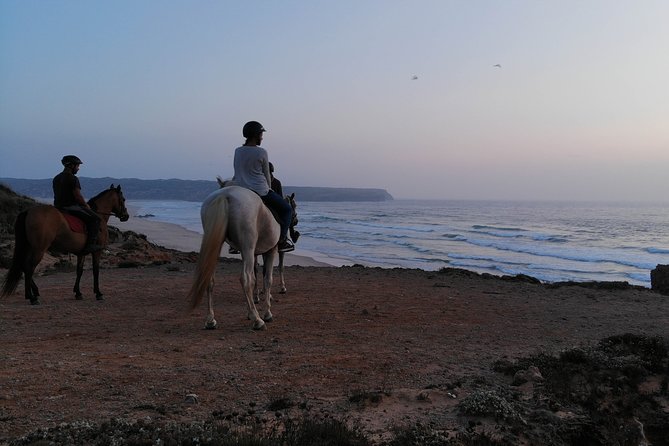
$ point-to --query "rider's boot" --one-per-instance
(285, 245)
(92, 243)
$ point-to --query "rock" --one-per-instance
(659, 279)
(532, 374)
(423, 396)
(191, 398)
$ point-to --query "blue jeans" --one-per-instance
(277, 203)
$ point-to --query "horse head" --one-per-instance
(223, 183)
(294, 235)
(118, 208)
(110, 202)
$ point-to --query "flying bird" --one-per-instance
(414, 77)
(497, 65)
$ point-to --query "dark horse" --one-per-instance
(44, 227)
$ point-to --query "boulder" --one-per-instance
(532, 374)
(659, 279)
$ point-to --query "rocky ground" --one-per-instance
(449, 356)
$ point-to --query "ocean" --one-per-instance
(551, 241)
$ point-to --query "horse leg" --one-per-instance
(283, 283)
(268, 268)
(256, 290)
(211, 322)
(96, 275)
(248, 280)
(34, 289)
(29, 289)
(80, 272)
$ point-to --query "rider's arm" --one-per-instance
(268, 176)
(80, 198)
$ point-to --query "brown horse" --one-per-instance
(44, 227)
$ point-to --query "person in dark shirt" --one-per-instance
(276, 184)
(276, 187)
(67, 197)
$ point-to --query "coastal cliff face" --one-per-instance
(187, 190)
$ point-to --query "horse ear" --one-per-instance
(292, 195)
(112, 186)
(118, 188)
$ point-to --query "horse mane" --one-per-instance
(92, 201)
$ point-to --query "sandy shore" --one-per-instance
(176, 237)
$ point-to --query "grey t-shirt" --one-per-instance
(252, 169)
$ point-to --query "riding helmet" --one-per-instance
(70, 159)
(252, 128)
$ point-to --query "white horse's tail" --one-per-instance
(215, 222)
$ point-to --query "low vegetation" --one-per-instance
(11, 205)
(610, 393)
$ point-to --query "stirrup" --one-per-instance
(286, 246)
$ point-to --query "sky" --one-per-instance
(399, 95)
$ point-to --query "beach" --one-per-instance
(176, 237)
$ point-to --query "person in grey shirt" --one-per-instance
(252, 171)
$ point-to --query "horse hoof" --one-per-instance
(269, 318)
(211, 325)
(283, 291)
(259, 325)
(100, 297)
(34, 302)
(79, 296)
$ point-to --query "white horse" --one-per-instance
(237, 215)
(294, 235)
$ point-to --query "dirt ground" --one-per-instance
(339, 336)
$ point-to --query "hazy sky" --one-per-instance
(578, 110)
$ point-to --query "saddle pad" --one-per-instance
(76, 224)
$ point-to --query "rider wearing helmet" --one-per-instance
(252, 171)
(68, 198)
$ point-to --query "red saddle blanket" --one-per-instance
(76, 223)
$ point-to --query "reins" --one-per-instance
(94, 206)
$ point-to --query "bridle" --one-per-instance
(94, 206)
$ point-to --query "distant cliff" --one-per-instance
(187, 190)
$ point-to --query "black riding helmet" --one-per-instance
(252, 128)
(70, 159)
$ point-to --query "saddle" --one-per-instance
(76, 223)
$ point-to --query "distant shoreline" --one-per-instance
(189, 190)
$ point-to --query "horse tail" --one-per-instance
(19, 258)
(215, 222)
